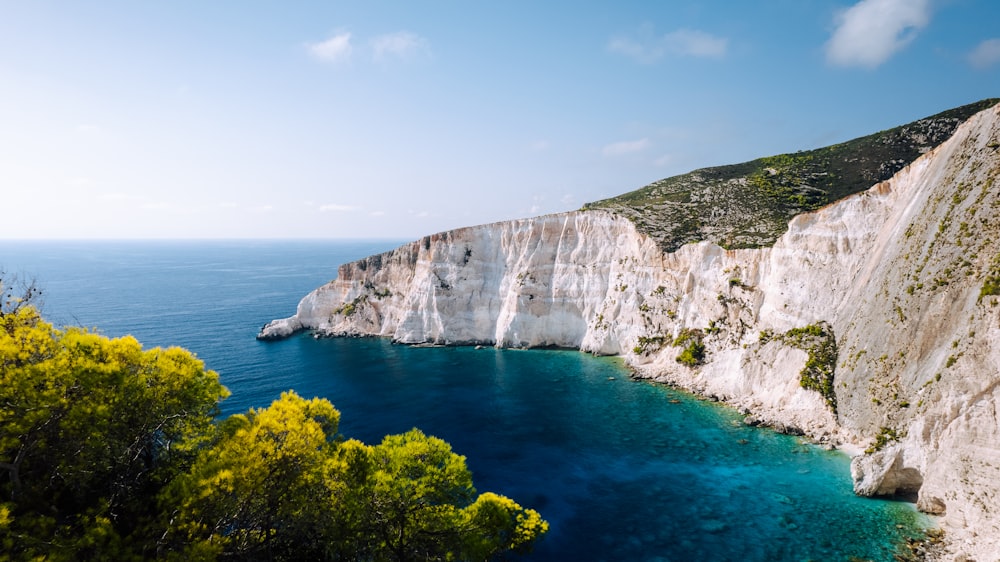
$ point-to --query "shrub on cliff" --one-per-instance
(820, 343)
(693, 353)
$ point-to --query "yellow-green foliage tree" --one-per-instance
(89, 428)
(278, 483)
(264, 487)
(109, 451)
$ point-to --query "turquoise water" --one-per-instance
(623, 470)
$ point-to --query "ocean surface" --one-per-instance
(623, 470)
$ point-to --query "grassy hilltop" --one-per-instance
(749, 205)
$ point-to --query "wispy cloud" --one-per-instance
(401, 44)
(986, 54)
(538, 146)
(335, 49)
(339, 48)
(625, 147)
(333, 207)
(648, 48)
(694, 43)
(872, 31)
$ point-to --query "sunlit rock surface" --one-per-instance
(901, 275)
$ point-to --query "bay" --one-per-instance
(623, 470)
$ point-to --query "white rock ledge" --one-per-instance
(280, 329)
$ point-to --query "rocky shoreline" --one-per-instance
(872, 322)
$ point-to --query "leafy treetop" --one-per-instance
(112, 452)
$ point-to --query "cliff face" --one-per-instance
(527, 283)
(870, 322)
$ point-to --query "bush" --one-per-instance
(885, 436)
(819, 342)
(112, 452)
(692, 355)
(991, 287)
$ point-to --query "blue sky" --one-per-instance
(258, 119)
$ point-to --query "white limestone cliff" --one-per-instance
(895, 273)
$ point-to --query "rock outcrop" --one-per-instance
(872, 322)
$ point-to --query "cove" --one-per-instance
(622, 469)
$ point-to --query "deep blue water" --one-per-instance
(623, 470)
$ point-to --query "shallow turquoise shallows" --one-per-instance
(622, 470)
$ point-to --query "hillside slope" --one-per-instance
(749, 205)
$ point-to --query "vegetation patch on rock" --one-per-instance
(693, 353)
(819, 342)
(991, 285)
(885, 436)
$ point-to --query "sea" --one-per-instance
(622, 469)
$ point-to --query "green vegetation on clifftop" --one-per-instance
(749, 205)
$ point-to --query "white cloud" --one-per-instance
(985, 54)
(332, 207)
(871, 31)
(376, 214)
(625, 147)
(335, 49)
(402, 44)
(647, 48)
(694, 43)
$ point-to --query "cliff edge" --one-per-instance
(873, 321)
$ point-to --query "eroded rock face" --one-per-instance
(898, 277)
(885, 473)
(548, 281)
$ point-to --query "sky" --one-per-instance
(308, 119)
